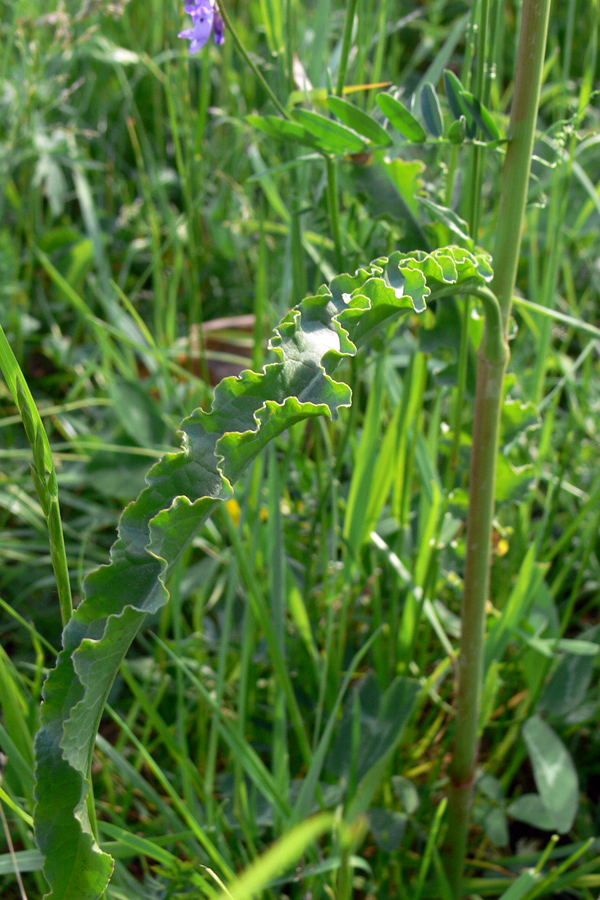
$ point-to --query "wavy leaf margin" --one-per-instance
(183, 489)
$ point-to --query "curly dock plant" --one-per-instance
(183, 489)
(493, 356)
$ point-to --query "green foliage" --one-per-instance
(145, 192)
(183, 490)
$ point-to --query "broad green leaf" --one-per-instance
(358, 120)
(331, 135)
(432, 111)
(401, 118)
(183, 489)
(554, 773)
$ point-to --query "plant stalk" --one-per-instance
(488, 404)
(259, 75)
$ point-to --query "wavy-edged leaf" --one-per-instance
(355, 118)
(183, 489)
(331, 135)
(432, 111)
(401, 118)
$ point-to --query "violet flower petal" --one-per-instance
(200, 32)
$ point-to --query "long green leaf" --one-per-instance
(183, 490)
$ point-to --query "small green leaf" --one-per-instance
(554, 773)
(493, 821)
(401, 118)
(458, 131)
(453, 91)
(358, 120)
(458, 106)
(482, 116)
(432, 111)
(331, 135)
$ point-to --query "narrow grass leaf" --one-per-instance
(278, 858)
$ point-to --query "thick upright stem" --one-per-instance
(488, 404)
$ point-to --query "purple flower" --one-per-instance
(206, 17)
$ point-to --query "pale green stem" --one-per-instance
(334, 211)
(332, 181)
(488, 404)
(240, 46)
(346, 41)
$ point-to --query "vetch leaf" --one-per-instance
(182, 490)
(331, 135)
(284, 129)
(458, 131)
(358, 120)
(401, 118)
(482, 116)
(432, 111)
(554, 773)
(453, 91)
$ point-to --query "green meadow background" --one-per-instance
(150, 239)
